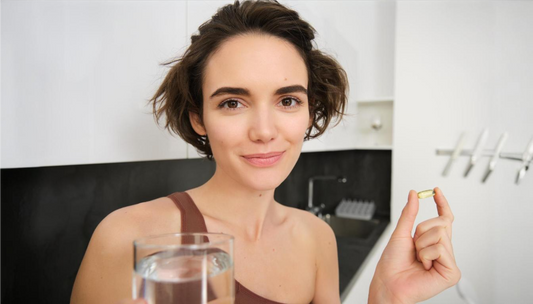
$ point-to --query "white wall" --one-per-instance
(463, 66)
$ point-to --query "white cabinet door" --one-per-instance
(77, 77)
(360, 35)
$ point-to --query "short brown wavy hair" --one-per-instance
(181, 92)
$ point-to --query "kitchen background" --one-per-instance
(76, 76)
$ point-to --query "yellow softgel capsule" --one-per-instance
(426, 193)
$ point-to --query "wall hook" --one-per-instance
(496, 156)
(456, 152)
(478, 148)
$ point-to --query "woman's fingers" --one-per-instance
(433, 242)
(445, 218)
(437, 253)
(443, 208)
(432, 223)
(407, 218)
(436, 235)
(442, 261)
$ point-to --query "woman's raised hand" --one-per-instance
(415, 268)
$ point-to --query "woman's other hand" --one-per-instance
(415, 268)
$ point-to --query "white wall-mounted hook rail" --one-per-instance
(525, 157)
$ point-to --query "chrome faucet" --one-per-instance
(317, 210)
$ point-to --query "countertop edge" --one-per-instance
(384, 237)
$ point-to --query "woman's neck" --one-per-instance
(247, 211)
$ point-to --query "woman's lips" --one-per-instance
(263, 159)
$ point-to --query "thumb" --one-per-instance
(408, 216)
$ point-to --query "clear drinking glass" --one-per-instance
(191, 268)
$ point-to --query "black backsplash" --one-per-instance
(49, 213)
(368, 175)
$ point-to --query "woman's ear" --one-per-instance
(197, 125)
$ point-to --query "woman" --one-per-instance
(247, 92)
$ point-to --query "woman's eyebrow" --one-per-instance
(291, 89)
(233, 91)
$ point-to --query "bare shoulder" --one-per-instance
(143, 219)
(320, 235)
(307, 224)
(105, 272)
(309, 221)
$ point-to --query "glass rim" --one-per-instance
(142, 242)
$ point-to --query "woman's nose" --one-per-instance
(263, 126)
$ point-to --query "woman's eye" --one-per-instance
(289, 102)
(230, 104)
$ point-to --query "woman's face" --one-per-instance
(256, 110)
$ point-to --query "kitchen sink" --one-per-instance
(346, 227)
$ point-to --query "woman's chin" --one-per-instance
(253, 178)
(264, 185)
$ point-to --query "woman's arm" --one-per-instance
(105, 272)
(327, 277)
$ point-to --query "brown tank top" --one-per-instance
(193, 221)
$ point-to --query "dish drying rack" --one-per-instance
(356, 209)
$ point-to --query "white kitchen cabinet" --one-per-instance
(77, 76)
(360, 35)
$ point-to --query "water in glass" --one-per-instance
(185, 276)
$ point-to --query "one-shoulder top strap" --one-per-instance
(191, 218)
(244, 295)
